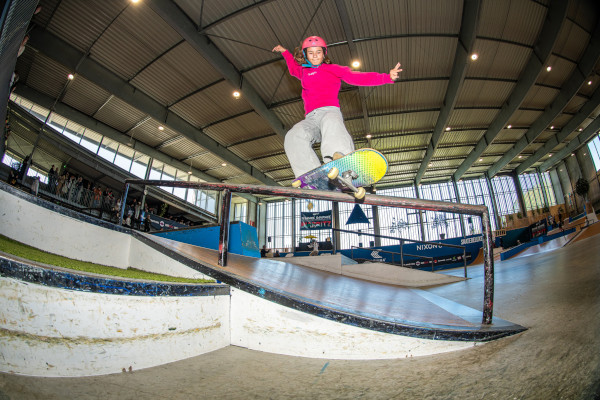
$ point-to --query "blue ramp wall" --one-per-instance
(243, 238)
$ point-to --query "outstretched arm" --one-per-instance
(293, 67)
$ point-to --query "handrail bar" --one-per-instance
(375, 200)
(403, 239)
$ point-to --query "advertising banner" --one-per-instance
(315, 220)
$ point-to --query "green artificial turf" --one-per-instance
(30, 253)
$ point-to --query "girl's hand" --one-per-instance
(278, 48)
(395, 72)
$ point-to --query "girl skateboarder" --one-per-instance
(321, 82)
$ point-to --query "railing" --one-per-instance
(375, 200)
(392, 253)
(402, 240)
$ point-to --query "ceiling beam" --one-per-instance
(555, 17)
(464, 47)
(347, 26)
(61, 52)
(580, 140)
(573, 124)
(180, 23)
(569, 90)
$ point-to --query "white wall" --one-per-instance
(55, 332)
(259, 324)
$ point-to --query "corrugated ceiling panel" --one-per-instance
(421, 57)
(267, 163)
(211, 10)
(406, 168)
(211, 105)
(350, 104)
(463, 136)
(539, 97)
(516, 21)
(404, 143)
(70, 17)
(206, 162)
(406, 96)
(471, 118)
(133, 40)
(373, 18)
(561, 70)
(445, 164)
(584, 12)
(510, 134)
(498, 60)
(290, 114)
(356, 128)
(404, 123)
(149, 133)
(85, 96)
(176, 74)
(459, 151)
(575, 104)
(47, 76)
(238, 129)
(572, 41)
(524, 118)
(274, 83)
(119, 115)
(227, 172)
(483, 93)
(258, 148)
(496, 148)
(405, 156)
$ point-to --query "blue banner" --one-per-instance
(158, 223)
(315, 220)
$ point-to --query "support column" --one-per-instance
(294, 201)
(460, 217)
(376, 227)
(517, 183)
(420, 213)
(224, 231)
(495, 210)
(335, 215)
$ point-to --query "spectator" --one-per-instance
(52, 179)
(12, 177)
(264, 251)
(314, 245)
(35, 185)
(277, 254)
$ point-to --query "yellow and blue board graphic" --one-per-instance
(369, 164)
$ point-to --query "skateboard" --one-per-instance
(362, 167)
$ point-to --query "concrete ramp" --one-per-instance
(374, 272)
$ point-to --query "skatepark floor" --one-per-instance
(556, 294)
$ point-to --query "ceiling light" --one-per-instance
(572, 154)
(190, 172)
(161, 128)
(550, 155)
(474, 56)
(552, 127)
(430, 164)
(135, 1)
(481, 159)
(448, 128)
(548, 68)
(237, 94)
(509, 126)
(355, 64)
(580, 129)
(223, 164)
(369, 136)
(589, 82)
(520, 156)
(71, 77)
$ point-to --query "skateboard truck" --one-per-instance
(346, 180)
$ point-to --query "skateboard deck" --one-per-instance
(367, 165)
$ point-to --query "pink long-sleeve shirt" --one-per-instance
(321, 86)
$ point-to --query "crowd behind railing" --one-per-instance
(76, 192)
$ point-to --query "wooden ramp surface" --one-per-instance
(391, 305)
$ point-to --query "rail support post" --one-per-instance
(224, 231)
(488, 269)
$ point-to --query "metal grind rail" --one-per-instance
(374, 200)
(402, 240)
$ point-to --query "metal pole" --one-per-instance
(224, 231)
(123, 203)
(465, 260)
(488, 268)
(401, 253)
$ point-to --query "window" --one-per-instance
(239, 211)
(533, 197)
(124, 157)
(139, 166)
(594, 148)
(181, 176)
(547, 185)
(435, 223)
(108, 149)
(73, 131)
(91, 141)
(506, 195)
(279, 224)
(475, 191)
(399, 222)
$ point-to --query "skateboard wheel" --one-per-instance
(333, 173)
(296, 183)
(360, 193)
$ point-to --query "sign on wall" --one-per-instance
(315, 220)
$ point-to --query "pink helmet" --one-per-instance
(314, 41)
